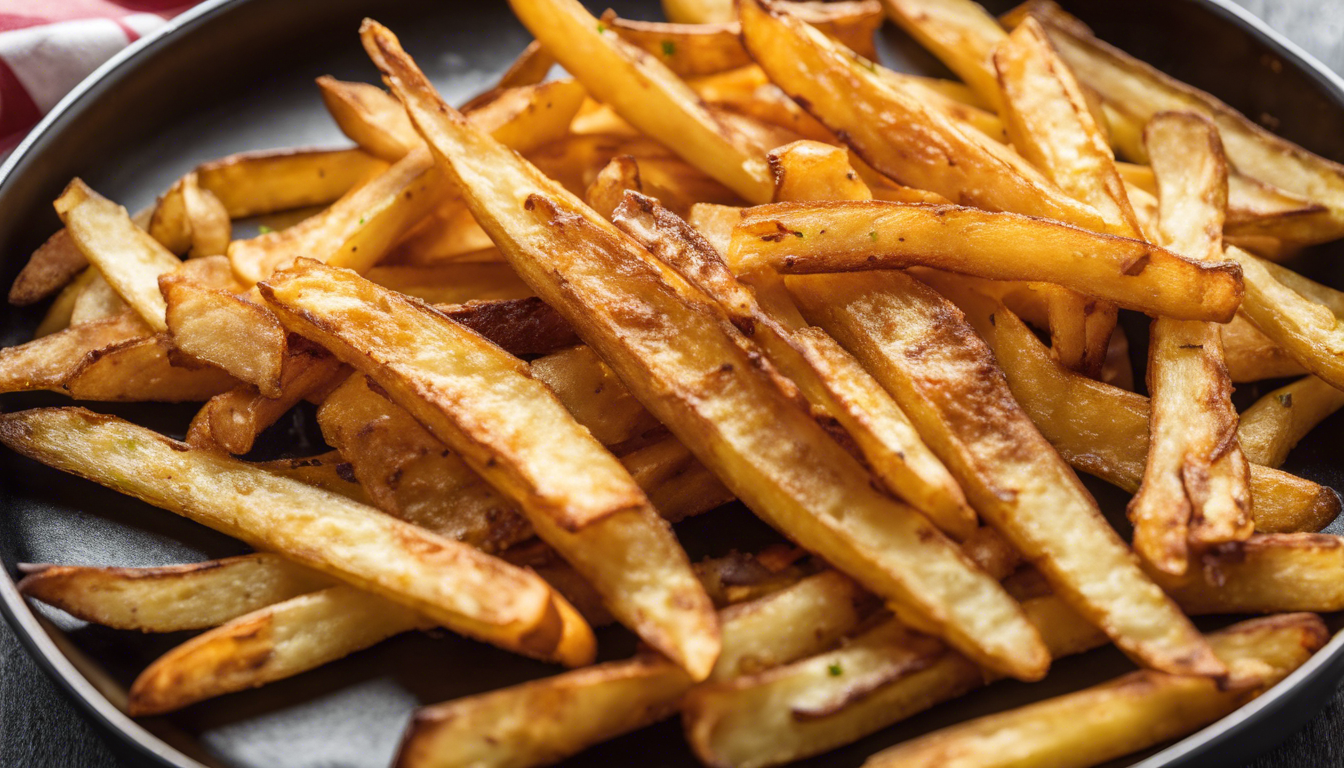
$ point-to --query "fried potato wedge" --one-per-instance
(370, 117)
(799, 238)
(98, 301)
(512, 430)
(647, 94)
(831, 379)
(686, 363)
(1271, 573)
(1271, 427)
(47, 362)
(271, 643)
(920, 347)
(1103, 430)
(188, 219)
(1194, 492)
(890, 126)
(52, 265)
(811, 170)
(258, 183)
(751, 721)
(143, 369)
(1131, 713)
(452, 283)
(227, 331)
(469, 592)
(170, 598)
(128, 258)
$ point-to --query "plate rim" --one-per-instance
(116, 726)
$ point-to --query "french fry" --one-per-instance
(452, 283)
(520, 326)
(1103, 430)
(1252, 356)
(959, 32)
(593, 393)
(891, 127)
(810, 170)
(921, 349)
(671, 343)
(227, 331)
(1128, 714)
(128, 258)
(465, 590)
(829, 378)
(647, 94)
(189, 219)
(751, 721)
(271, 643)
(328, 471)
(1271, 427)
(370, 118)
(1272, 573)
(98, 301)
(50, 268)
(530, 68)
(171, 598)
(699, 11)
(46, 363)
(608, 189)
(143, 369)
(1195, 487)
(799, 238)
(258, 183)
(588, 706)
(509, 428)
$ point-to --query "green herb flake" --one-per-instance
(669, 48)
(873, 236)
(601, 28)
(1286, 399)
(361, 221)
(264, 230)
(835, 670)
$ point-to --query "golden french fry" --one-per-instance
(891, 126)
(467, 591)
(46, 363)
(328, 471)
(98, 301)
(530, 68)
(800, 238)
(904, 332)
(1195, 485)
(646, 93)
(452, 283)
(811, 170)
(50, 267)
(832, 380)
(171, 598)
(593, 393)
(143, 369)
(959, 32)
(667, 346)
(128, 258)
(1103, 430)
(369, 117)
(1276, 422)
(227, 331)
(512, 430)
(1252, 356)
(257, 183)
(1272, 573)
(611, 184)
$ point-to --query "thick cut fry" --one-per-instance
(611, 184)
(1252, 356)
(647, 94)
(928, 357)
(802, 238)
(585, 707)
(50, 267)
(129, 259)
(687, 365)
(512, 430)
(520, 326)
(258, 183)
(811, 170)
(593, 393)
(47, 362)
(97, 302)
(1276, 422)
(171, 598)
(959, 32)
(328, 471)
(269, 644)
(453, 283)
(143, 369)
(190, 219)
(1194, 491)
(227, 331)
(892, 128)
(370, 118)
(751, 721)
(835, 383)
(1103, 430)
(1271, 573)
(1128, 714)
(467, 591)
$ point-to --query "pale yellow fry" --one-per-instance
(258, 183)
(1274, 424)
(1271, 573)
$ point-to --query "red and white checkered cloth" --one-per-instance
(48, 46)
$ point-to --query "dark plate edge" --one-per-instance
(1329, 661)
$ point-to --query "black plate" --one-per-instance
(232, 76)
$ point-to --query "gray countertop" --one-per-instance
(40, 729)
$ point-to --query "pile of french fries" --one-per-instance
(727, 258)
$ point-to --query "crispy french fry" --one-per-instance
(646, 93)
(1276, 422)
(1128, 714)
(127, 257)
(46, 363)
(521, 326)
(98, 301)
(607, 190)
(530, 68)
(258, 183)
(143, 369)
(467, 591)
(171, 598)
(831, 379)
(227, 331)
(800, 238)
(1272, 573)
(512, 430)
(1195, 487)
(671, 344)
(269, 644)
(1103, 430)
(189, 219)
(891, 127)
(50, 267)
(904, 332)
(369, 117)
(810, 170)
(593, 393)
(959, 32)
(328, 471)
(452, 283)
(1252, 356)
